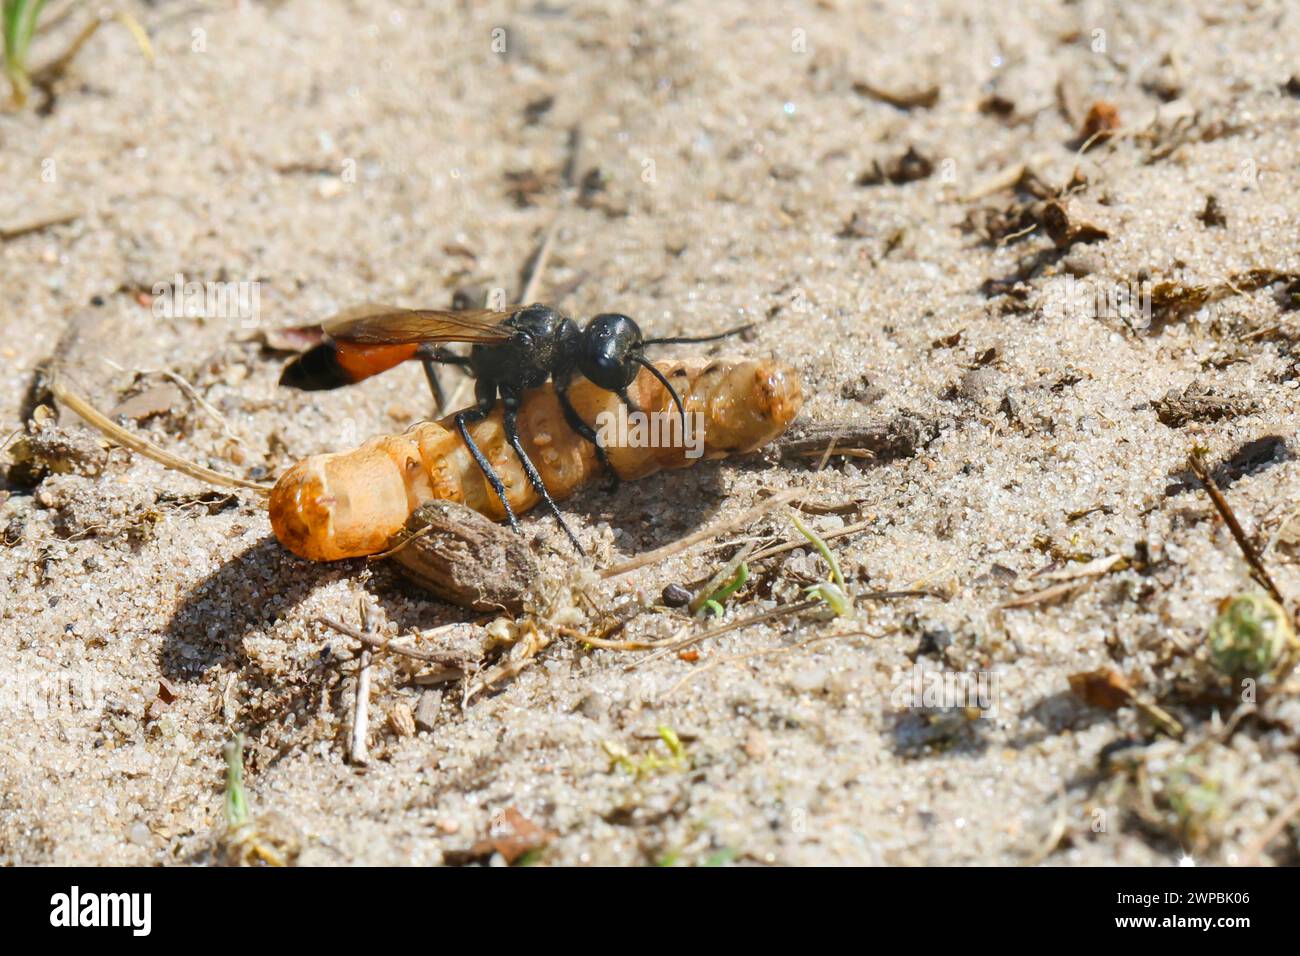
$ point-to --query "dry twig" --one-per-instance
(114, 432)
(358, 753)
(683, 643)
(704, 534)
(1261, 574)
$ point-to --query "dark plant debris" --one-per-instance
(1200, 403)
(906, 168)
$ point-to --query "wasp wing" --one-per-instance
(374, 324)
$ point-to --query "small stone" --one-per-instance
(401, 721)
(155, 710)
(139, 834)
(1082, 262)
(426, 711)
(979, 386)
(674, 595)
(809, 681)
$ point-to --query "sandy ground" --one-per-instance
(740, 164)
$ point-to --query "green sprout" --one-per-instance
(269, 839)
(1195, 798)
(19, 27)
(834, 592)
(722, 857)
(236, 798)
(1249, 636)
(651, 762)
(18, 20)
(673, 742)
(716, 600)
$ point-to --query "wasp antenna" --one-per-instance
(688, 340)
(627, 400)
(643, 361)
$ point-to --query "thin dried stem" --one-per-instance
(359, 753)
(683, 643)
(386, 644)
(704, 534)
(114, 432)
(802, 542)
(1230, 519)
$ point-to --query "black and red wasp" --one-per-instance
(512, 350)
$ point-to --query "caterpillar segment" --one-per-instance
(350, 504)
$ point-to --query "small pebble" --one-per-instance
(426, 711)
(1082, 262)
(401, 721)
(674, 595)
(809, 681)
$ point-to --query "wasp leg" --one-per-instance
(486, 393)
(435, 386)
(510, 399)
(438, 355)
(585, 431)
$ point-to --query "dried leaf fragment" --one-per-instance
(907, 168)
(1101, 121)
(465, 557)
(1199, 403)
(1104, 688)
(923, 98)
(511, 834)
(148, 403)
(1068, 222)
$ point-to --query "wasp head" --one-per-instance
(611, 347)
